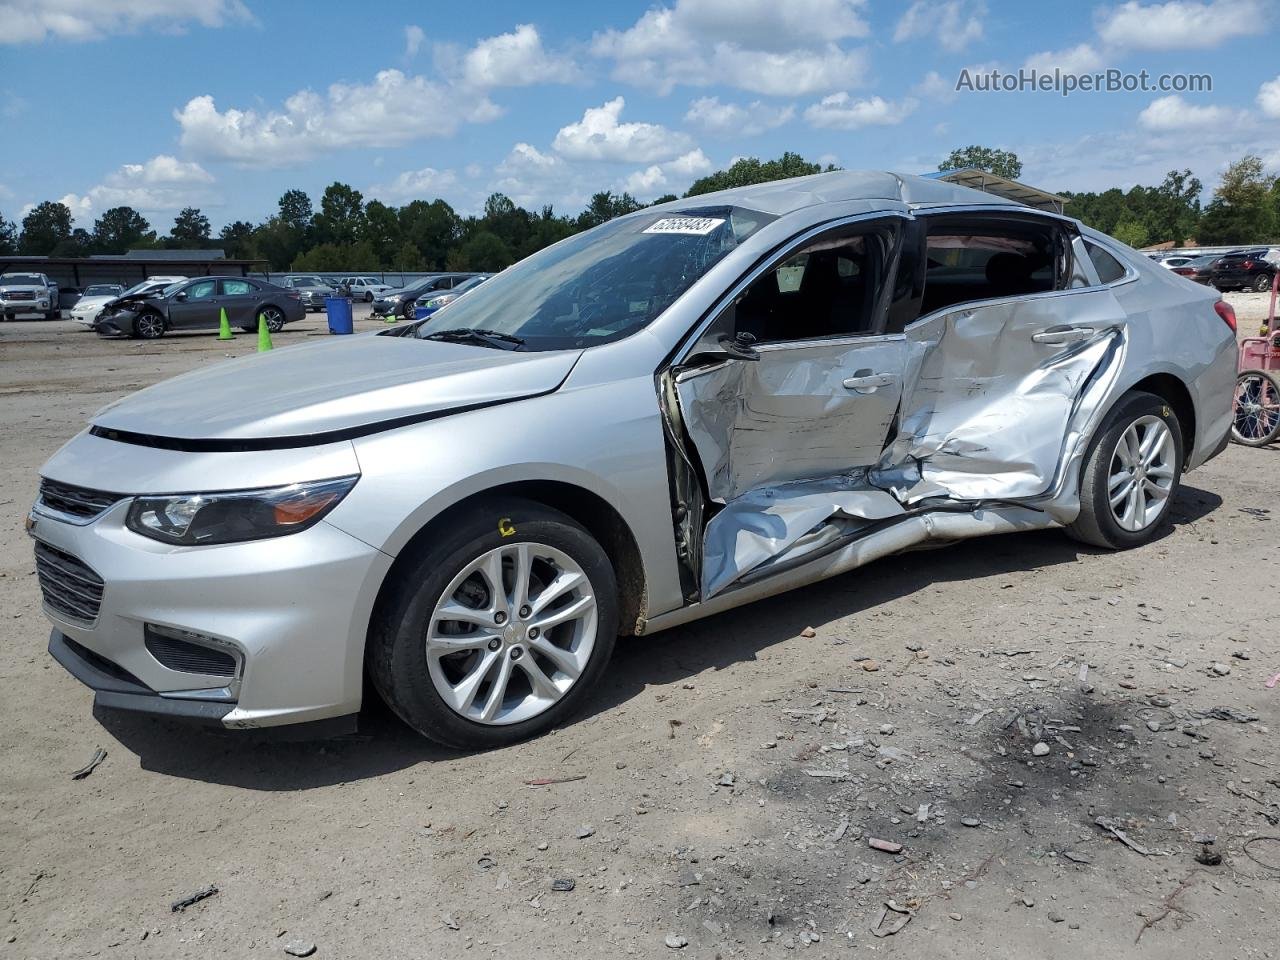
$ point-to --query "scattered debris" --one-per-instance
(548, 781)
(299, 948)
(1169, 906)
(1220, 669)
(203, 894)
(885, 846)
(841, 829)
(563, 884)
(1076, 857)
(970, 822)
(1041, 749)
(584, 831)
(1225, 713)
(878, 929)
(808, 633)
(450, 923)
(1113, 827)
(675, 941)
(871, 666)
(1271, 682)
(98, 756)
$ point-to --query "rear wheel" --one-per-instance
(1131, 474)
(274, 317)
(149, 326)
(1256, 409)
(1262, 283)
(499, 629)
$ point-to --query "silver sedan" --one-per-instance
(683, 410)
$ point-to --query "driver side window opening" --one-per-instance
(969, 259)
(201, 291)
(828, 288)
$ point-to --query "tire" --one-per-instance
(275, 318)
(149, 326)
(1255, 410)
(1137, 419)
(368, 297)
(53, 315)
(1262, 283)
(408, 655)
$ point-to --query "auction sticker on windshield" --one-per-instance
(694, 226)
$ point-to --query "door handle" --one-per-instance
(864, 381)
(1058, 335)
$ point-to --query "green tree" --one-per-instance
(604, 206)
(191, 230)
(8, 237)
(120, 229)
(381, 230)
(482, 251)
(46, 226)
(749, 170)
(1131, 232)
(1003, 163)
(295, 210)
(237, 240)
(433, 228)
(1242, 210)
(408, 258)
(341, 217)
(323, 256)
(1174, 207)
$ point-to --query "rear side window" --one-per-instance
(232, 288)
(1109, 268)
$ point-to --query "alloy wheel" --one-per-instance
(1140, 477)
(512, 633)
(274, 318)
(149, 326)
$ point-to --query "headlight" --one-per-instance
(206, 518)
(395, 299)
(436, 302)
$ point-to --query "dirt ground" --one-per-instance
(1045, 729)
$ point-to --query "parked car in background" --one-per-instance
(1171, 262)
(1198, 268)
(400, 303)
(198, 304)
(27, 293)
(311, 290)
(682, 410)
(1246, 270)
(365, 288)
(92, 300)
(430, 305)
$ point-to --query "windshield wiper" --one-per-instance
(489, 338)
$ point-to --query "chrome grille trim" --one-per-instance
(69, 587)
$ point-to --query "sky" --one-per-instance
(225, 104)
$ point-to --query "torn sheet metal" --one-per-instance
(789, 415)
(781, 522)
(991, 393)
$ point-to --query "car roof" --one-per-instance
(781, 197)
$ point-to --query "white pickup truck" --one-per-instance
(28, 293)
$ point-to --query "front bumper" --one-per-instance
(294, 609)
(15, 308)
(86, 317)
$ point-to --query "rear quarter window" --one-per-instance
(1109, 268)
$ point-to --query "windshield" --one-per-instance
(22, 279)
(101, 290)
(172, 288)
(306, 281)
(601, 285)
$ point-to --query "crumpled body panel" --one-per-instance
(788, 415)
(988, 401)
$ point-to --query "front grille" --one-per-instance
(69, 587)
(187, 657)
(76, 501)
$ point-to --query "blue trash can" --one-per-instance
(339, 313)
(421, 313)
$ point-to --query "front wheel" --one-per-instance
(1255, 416)
(1262, 283)
(149, 326)
(498, 630)
(1131, 474)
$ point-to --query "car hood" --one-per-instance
(94, 301)
(334, 387)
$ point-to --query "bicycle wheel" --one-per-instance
(1256, 409)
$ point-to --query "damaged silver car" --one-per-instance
(683, 410)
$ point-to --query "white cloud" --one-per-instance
(1180, 24)
(161, 184)
(841, 112)
(393, 109)
(425, 184)
(1083, 58)
(33, 21)
(1269, 97)
(671, 177)
(933, 86)
(758, 45)
(730, 119)
(954, 24)
(413, 37)
(531, 178)
(1174, 113)
(599, 136)
(515, 59)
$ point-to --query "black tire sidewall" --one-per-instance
(1098, 463)
(405, 680)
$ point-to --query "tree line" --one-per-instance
(348, 232)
